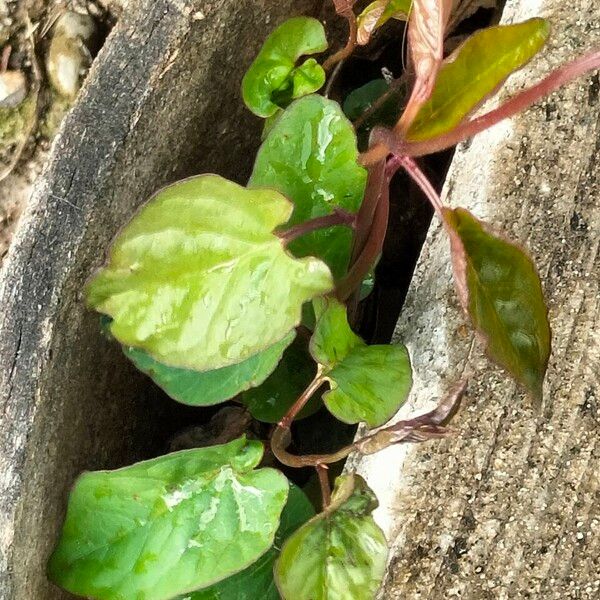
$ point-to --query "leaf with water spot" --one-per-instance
(273, 80)
(339, 554)
(368, 383)
(199, 280)
(501, 291)
(310, 156)
(205, 388)
(256, 582)
(169, 525)
(474, 71)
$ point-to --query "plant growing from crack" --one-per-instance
(221, 291)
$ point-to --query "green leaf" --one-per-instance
(273, 80)
(270, 401)
(502, 293)
(199, 280)
(339, 554)
(170, 525)
(204, 388)
(378, 13)
(368, 383)
(474, 71)
(310, 156)
(256, 582)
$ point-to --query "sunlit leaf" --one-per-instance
(256, 582)
(310, 156)
(273, 80)
(204, 388)
(339, 554)
(199, 280)
(368, 383)
(271, 400)
(378, 13)
(501, 291)
(475, 71)
(169, 525)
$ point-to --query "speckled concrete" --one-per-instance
(510, 506)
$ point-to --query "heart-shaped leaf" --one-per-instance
(256, 582)
(204, 388)
(273, 80)
(271, 400)
(310, 156)
(339, 554)
(199, 280)
(169, 525)
(474, 71)
(368, 383)
(378, 13)
(501, 292)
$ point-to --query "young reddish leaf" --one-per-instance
(198, 278)
(474, 71)
(368, 383)
(273, 80)
(169, 525)
(378, 13)
(501, 291)
(426, 28)
(339, 554)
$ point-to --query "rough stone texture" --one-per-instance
(510, 506)
(162, 101)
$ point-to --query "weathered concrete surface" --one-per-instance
(162, 101)
(510, 506)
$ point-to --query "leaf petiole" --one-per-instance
(337, 217)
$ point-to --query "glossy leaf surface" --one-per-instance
(474, 71)
(273, 80)
(169, 525)
(199, 280)
(501, 291)
(339, 554)
(368, 383)
(256, 582)
(271, 400)
(310, 156)
(378, 13)
(204, 388)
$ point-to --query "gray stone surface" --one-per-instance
(509, 507)
(162, 101)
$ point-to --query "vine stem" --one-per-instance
(343, 53)
(324, 483)
(388, 141)
(306, 395)
(413, 169)
(337, 217)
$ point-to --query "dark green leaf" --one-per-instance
(270, 401)
(256, 582)
(273, 80)
(502, 293)
(170, 525)
(474, 71)
(339, 554)
(378, 13)
(368, 383)
(310, 156)
(204, 388)
(199, 280)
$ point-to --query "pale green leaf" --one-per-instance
(273, 79)
(368, 383)
(199, 280)
(500, 289)
(474, 71)
(256, 582)
(310, 156)
(170, 525)
(339, 554)
(378, 13)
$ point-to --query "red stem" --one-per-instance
(337, 217)
(306, 395)
(412, 168)
(324, 482)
